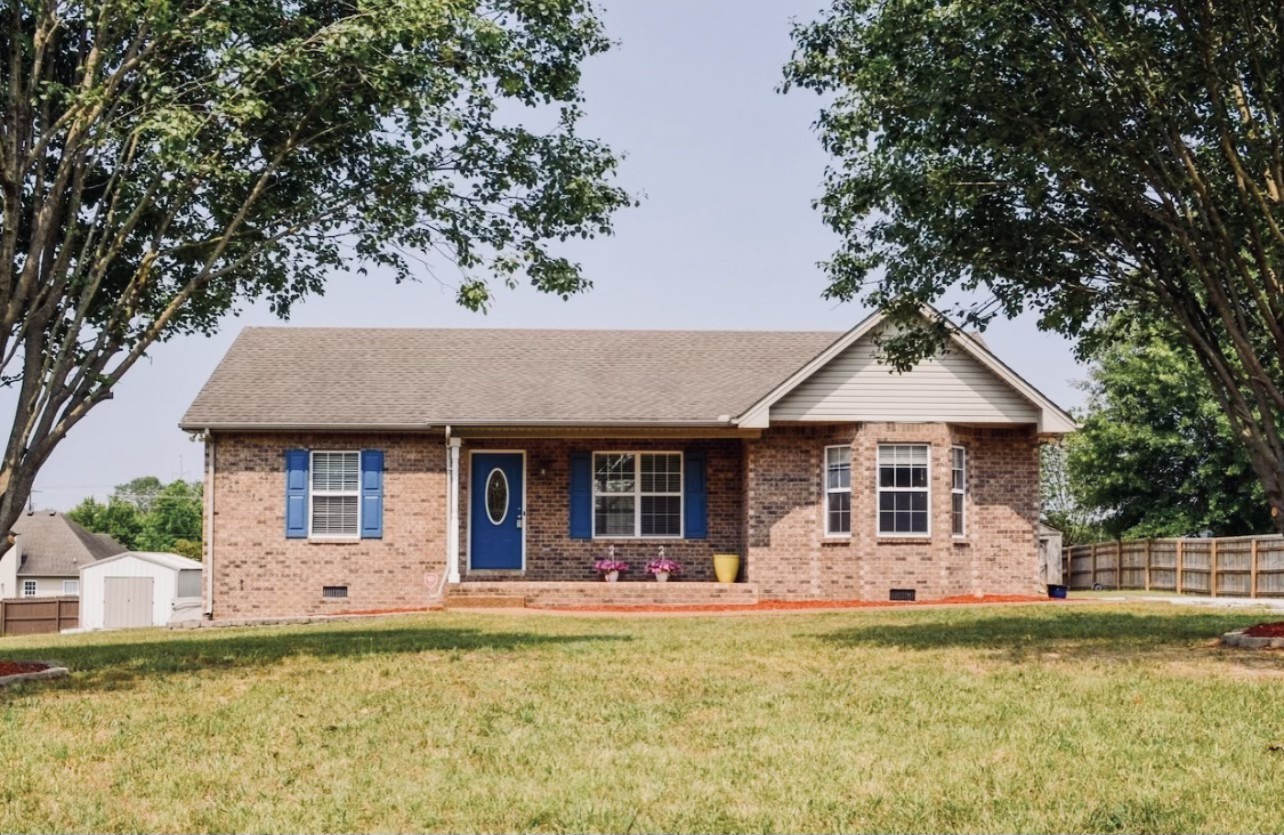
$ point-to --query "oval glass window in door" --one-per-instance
(497, 496)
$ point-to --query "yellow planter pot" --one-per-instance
(726, 566)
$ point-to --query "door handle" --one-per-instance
(521, 518)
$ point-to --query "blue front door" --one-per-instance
(497, 510)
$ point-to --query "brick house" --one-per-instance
(366, 469)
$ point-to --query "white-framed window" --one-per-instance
(71, 587)
(28, 588)
(637, 495)
(334, 500)
(838, 491)
(904, 499)
(958, 490)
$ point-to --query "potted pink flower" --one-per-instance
(610, 569)
(663, 568)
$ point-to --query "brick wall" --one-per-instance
(765, 502)
(551, 554)
(790, 556)
(257, 572)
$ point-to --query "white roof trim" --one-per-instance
(1053, 419)
(161, 558)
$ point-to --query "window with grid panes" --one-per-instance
(903, 495)
(637, 494)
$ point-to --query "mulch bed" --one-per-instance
(1266, 630)
(14, 668)
(795, 605)
(408, 610)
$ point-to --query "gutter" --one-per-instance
(722, 422)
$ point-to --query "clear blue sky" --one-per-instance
(725, 236)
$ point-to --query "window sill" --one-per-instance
(333, 540)
(884, 539)
(963, 541)
(835, 540)
(666, 538)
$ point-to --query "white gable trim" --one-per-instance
(1052, 418)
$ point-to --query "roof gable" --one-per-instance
(965, 384)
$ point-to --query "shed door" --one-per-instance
(127, 602)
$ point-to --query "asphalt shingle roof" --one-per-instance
(55, 546)
(358, 377)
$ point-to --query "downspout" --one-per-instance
(452, 508)
(210, 452)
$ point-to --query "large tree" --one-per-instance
(1071, 157)
(164, 162)
(1155, 455)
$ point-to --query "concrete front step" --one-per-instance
(572, 594)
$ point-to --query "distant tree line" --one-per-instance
(1155, 455)
(147, 515)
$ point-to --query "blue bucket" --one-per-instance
(1057, 592)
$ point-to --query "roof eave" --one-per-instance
(439, 426)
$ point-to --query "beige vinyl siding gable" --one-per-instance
(857, 386)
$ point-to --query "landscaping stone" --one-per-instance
(1242, 641)
(52, 669)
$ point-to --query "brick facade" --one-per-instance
(257, 572)
(765, 502)
(790, 556)
(550, 552)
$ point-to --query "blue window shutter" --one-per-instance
(695, 503)
(296, 493)
(581, 495)
(372, 494)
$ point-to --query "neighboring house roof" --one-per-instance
(54, 546)
(358, 378)
(161, 558)
(402, 378)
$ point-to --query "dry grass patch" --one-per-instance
(1038, 718)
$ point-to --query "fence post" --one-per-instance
(1252, 569)
(1119, 564)
(1093, 584)
(1181, 557)
(57, 616)
(1212, 569)
(1148, 542)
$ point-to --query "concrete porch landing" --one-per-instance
(473, 594)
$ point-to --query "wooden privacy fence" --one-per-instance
(1236, 566)
(38, 615)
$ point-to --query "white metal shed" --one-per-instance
(139, 588)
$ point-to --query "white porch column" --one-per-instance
(452, 514)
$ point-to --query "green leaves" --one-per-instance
(146, 515)
(1155, 456)
(1077, 158)
(164, 164)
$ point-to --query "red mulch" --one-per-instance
(405, 611)
(792, 605)
(1266, 630)
(13, 668)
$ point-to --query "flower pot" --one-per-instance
(611, 576)
(662, 576)
(726, 567)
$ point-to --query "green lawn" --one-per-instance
(1038, 718)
